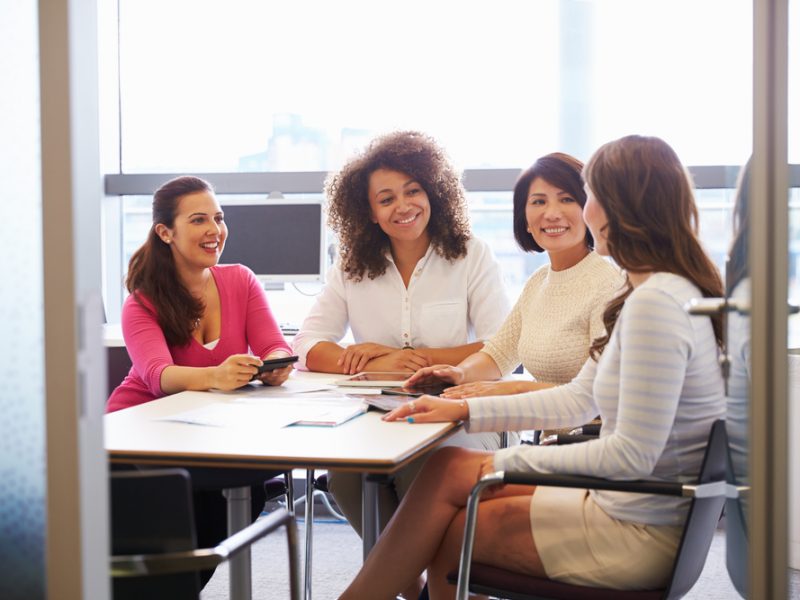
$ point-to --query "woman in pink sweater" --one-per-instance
(190, 324)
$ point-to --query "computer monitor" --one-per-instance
(278, 241)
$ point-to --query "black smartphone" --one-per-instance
(276, 363)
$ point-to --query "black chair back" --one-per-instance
(151, 513)
(698, 532)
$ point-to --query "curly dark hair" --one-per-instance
(363, 245)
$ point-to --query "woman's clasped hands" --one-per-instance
(356, 357)
(430, 409)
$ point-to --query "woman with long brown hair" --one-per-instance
(189, 323)
(192, 324)
(654, 379)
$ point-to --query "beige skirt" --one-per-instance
(580, 544)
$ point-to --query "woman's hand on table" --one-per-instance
(356, 356)
(486, 388)
(430, 409)
(234, 372)
(435, 374)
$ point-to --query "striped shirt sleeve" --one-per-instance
(637, 388)
(562, 406)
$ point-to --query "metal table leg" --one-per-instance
(369, 514)
(238, 504)
(289, 491)
(309, 527)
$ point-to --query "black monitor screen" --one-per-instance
(277, 241)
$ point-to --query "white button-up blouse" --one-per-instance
(446, 304)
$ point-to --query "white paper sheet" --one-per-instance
(260, 412)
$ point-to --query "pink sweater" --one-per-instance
(247, 326)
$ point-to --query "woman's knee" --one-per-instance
(451, 457)
(452, 470)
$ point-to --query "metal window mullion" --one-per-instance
(768, 555)
(311, 182)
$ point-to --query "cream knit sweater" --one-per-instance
(555, 319)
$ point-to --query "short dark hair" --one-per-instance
(558, 169)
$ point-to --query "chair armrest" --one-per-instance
(664, 488)
(204, 558)
(660, 488)
(590, 429)
(562, 439)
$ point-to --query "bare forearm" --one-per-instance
(176, 379)
(479, 366)
(323, 357)
(451, 356)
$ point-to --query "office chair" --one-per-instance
(153, 539)
(708, 497)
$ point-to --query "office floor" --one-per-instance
(337, 557)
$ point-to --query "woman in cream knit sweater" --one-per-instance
(560, 310)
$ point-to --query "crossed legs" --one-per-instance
(427, 530)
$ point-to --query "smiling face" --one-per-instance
(199, 232)
(399, 206)
(555, 221)
(597, 221)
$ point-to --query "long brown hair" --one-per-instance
(363, 245)
(152, 273)
(652, 219)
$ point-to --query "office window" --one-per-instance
(265, 86)
(250, 86)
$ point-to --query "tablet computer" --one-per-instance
(375, 379)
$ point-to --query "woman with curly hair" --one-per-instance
(412, 284)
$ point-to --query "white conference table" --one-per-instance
(365, 444)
